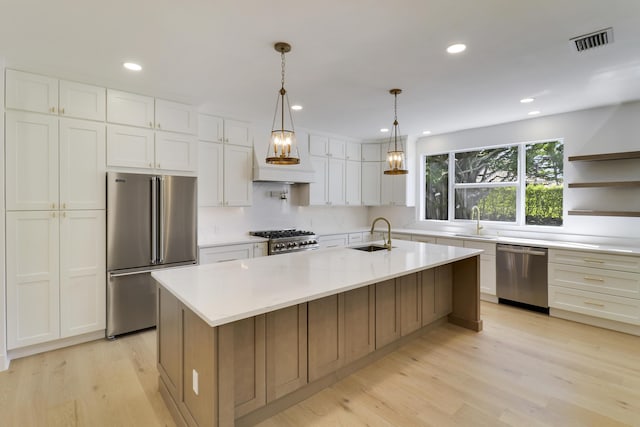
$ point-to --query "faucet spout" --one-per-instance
(373, 225)
(476, 209)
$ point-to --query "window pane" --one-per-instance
(543, 204)
(495, 204)
(437, 187)
(490, 165)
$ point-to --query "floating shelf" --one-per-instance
(606, 156)
(628, 184)
(604, 213)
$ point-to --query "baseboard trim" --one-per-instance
(54, 345)
(595, 321)
(4, 362)
(489, 298)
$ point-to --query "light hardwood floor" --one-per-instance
(524, 369)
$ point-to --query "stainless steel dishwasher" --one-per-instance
(521, 276)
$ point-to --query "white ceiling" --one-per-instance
(346, 55)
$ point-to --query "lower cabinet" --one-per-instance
(286, 351)
(387, 313)
(55, 275)
(436, 286)
(359, 322)
(410, 303)
(209, 255)
(326, 335)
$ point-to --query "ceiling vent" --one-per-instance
(593, 40)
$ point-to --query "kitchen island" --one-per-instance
(242, 340)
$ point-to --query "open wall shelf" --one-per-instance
(607, 184)
(606, 156)
(586, 212)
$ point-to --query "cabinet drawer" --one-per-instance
(355, 238)
(225, 253)
(488, 248)
(597, 260)
(595, 280)
(620, 309)
(333, 241)
(450, 242)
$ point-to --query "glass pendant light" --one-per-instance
(283, 149)
(395, 153)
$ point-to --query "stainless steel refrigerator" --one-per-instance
(151, 224)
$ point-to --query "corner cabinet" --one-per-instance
(626, 184)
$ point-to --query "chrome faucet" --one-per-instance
(373, 224)
(476, 209)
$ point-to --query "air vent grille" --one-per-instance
(593, 40)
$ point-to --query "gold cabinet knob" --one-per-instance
(159, 126)
(150, 124)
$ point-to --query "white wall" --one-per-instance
(4, 362)
(270, 212)
(593, 131)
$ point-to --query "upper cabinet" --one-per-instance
(216, 129)
(144, 111)
(353, 151)
(41, 94)
(54, 163)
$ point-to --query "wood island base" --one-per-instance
(243, 372)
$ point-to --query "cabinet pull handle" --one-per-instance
(226, 140)
(53, 214)
(150, 124)
(159, 126)
(62, 111)
(64, 214)
(53, 109)
(594, 303)
(150, 164)
(595, 261)
(220, 139)
(53, 205)
(595, 279)
(158, 166)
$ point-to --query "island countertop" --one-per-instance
(225, 292)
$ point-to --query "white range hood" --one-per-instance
(300, 173)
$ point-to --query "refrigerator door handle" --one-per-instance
(161, 231)
(154, 220)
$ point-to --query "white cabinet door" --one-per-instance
(82, 272)
(31, 92)
(318, 189)
(210, 174)
(371, 173)
(238, 173)
(225, 253)
(371, 152)
(353, 151)
(175, 117)
(337, 148)
(260, 249)
(130, 109)
(336, 181)
(82, 101)
(210, 128)
(175, 152)
(393, 189)
(31, 161)
(82, 164)
(237, 133)
(32, 278)
(353, 178)
(130, 147)
(318, 145)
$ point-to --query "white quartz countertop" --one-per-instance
(225, 292)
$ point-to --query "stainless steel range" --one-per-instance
(290, 240)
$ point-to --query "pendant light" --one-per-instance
(283, 149)
(395, 153)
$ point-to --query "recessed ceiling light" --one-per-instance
(527, 100)
(426, 132)
(296, 107)
(384, 130)
(132, 66)
(457, 48)
(533, 113)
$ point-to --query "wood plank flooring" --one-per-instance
(524, 369)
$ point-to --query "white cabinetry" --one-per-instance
(55, 275)
(175, 117)
(41, 94)
(371, 152)
(225, 170)
(333, 241)
(487, 262)
(371, 173)
(216, 129)
(210, 255)
(53, 164)
(329, 164)
(599, 287)
(424, 239)
(131, 147)
(353, 180)
(353, 151)
(393, 190)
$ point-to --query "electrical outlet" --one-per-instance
(194, 381)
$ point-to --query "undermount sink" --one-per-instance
(477, 236)
(369, 248)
